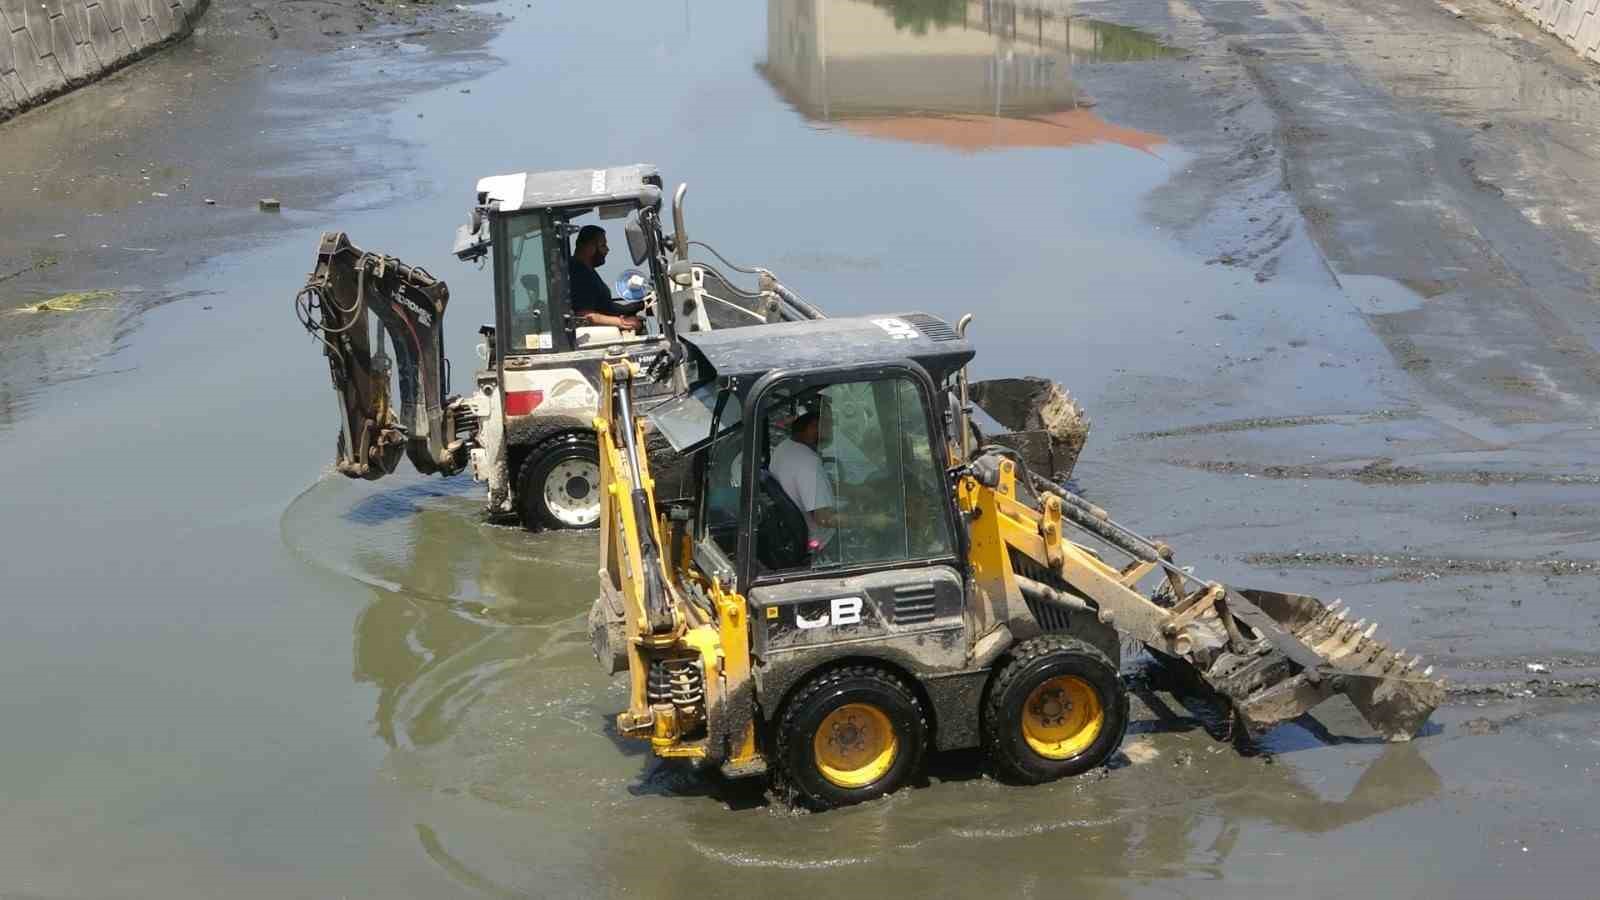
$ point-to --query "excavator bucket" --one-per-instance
(1305, 652)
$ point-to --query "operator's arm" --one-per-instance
(593, 304)
(818, 502)
(626, 323)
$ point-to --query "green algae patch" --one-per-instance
(75, 301)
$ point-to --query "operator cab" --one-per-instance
(864, 491)
(530, 220)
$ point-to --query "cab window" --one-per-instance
(528, 280)
(847, 477)
(720, 503)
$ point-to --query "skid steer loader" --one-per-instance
(850, 582)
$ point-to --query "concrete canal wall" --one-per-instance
(49, 47)
(1577, 22)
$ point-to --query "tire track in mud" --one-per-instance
(1533, 688)
(1386, 472)
(1267, 422)
(1417, 568)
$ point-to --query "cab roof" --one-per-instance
(570, 187)
(832, 344)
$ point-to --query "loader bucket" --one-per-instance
(1045, 425)
(1310, 651)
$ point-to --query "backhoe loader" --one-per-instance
(934, 592)
(523, 429)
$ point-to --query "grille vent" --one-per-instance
(932, 327)
(914, 603)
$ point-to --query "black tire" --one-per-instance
(566, 455)
(1084, 672)
(797, 734)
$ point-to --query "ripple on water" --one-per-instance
(431, 539)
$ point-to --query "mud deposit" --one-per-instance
(1320, 356)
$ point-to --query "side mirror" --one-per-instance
(472, 239)
(638, 247)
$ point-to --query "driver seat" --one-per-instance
(782, 538)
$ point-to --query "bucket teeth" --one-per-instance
(1313, 631)
(1381, 681)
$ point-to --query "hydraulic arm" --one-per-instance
(346, 290)
(1272, 656)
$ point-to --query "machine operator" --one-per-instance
(591, 298)
(797, 467)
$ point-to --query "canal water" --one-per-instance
(228, 671)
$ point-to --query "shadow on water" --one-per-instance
(963, 76)
(404, 502)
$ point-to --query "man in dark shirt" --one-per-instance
(591, 298)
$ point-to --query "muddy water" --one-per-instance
(228, 671)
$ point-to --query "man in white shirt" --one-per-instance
(798, 470)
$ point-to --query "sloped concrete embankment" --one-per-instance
(49, 47)
(1577, 22)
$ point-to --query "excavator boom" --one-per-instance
(349, 288)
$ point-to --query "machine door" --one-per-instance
(851, 548)
(840, 477)
(530, 279)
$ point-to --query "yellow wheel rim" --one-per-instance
(855, 745)
(1062, 717)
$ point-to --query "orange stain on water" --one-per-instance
(978, 134)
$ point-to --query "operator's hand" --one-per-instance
(630, 323)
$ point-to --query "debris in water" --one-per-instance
(270, 204)
(1139, 752)
(1538, 668)
(70, 302)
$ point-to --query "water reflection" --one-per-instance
(458, 601)
(968, 76)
